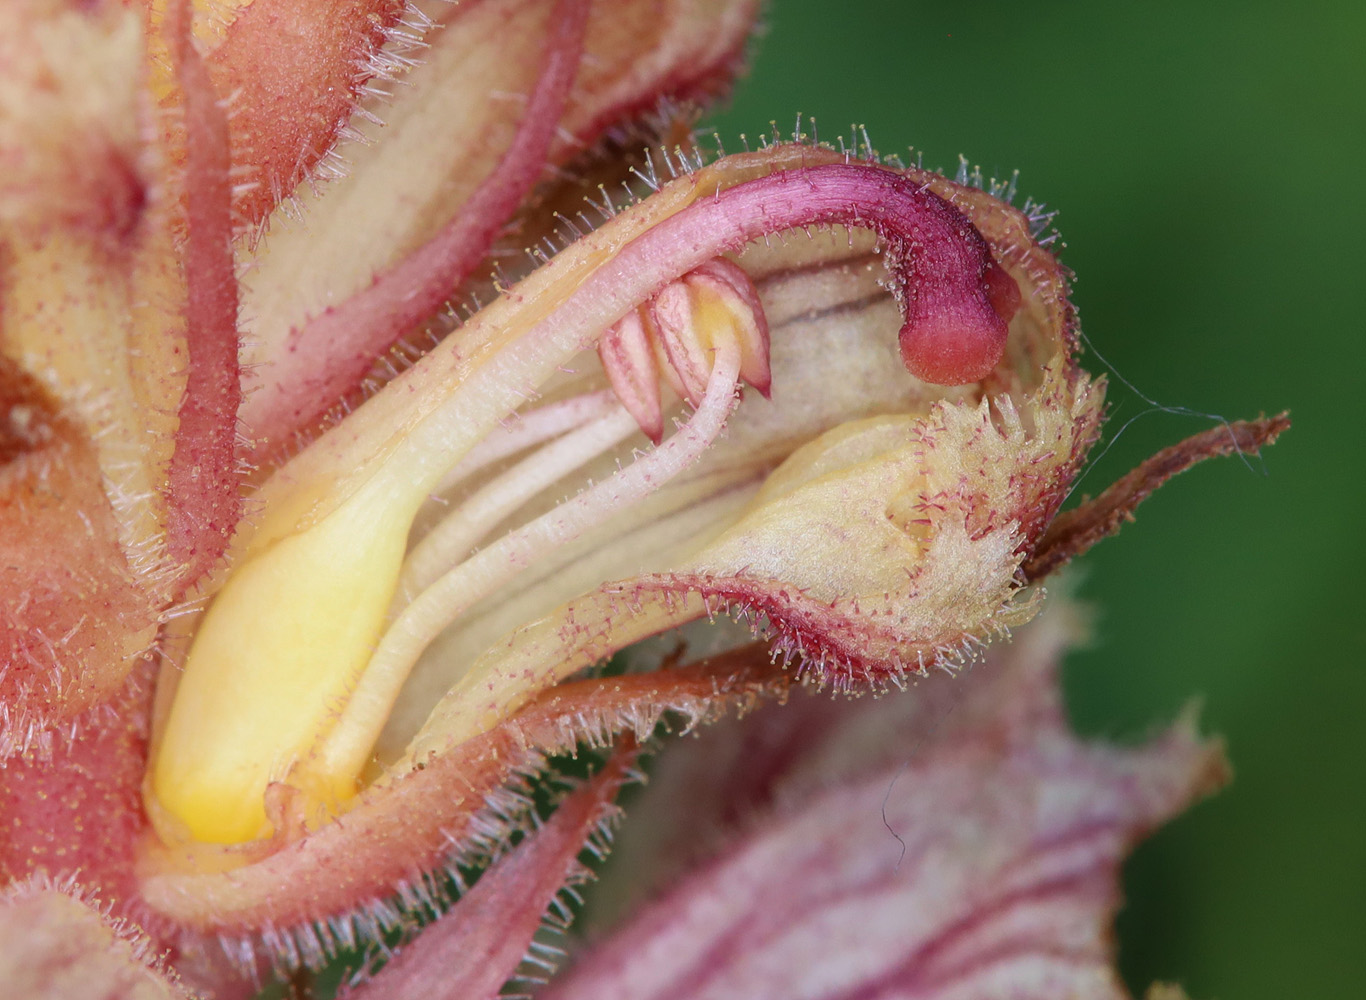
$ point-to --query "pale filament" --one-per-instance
(526, 430)
(463, 528)
(348, 746)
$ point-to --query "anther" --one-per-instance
(677, 334)
(628, 357)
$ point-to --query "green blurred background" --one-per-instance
(1207, 167)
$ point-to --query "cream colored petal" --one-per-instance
(448, 122)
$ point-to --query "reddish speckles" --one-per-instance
(830, 642)
(80, 808)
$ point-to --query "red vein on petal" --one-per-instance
(955, 947)
(204, 504)
(1013, 830)
(330, 355)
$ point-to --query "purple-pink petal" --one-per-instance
(974, 852)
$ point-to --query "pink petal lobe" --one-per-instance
(911, 846)
(56, 946)
(78, 806)
(477, 945)
(62, 620)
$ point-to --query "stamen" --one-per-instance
(673, 333)
(687, 313)
(347, 747)
(627, 352)
(528, 430)
(457, 533)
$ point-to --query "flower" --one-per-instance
(250, 724)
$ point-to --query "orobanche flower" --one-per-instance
(333, 522)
